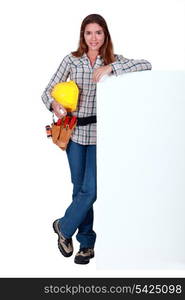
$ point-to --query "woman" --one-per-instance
(86, 66)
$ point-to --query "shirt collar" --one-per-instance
(84, 58)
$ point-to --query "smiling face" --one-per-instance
(94, 36)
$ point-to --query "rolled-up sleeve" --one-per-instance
(61, 74)
(124, 65)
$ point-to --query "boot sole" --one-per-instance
(82, 263)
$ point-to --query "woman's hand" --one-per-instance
(100, 72)
(58, 109)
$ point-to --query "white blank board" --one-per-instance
(141, 171)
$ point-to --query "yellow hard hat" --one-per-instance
(66, 93)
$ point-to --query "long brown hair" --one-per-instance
(106, 50)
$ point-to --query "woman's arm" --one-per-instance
(61, 74)
(124, 65)
(120, 66)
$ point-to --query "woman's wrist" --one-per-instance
(110, 68)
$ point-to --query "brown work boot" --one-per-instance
(65, 245)
(84, 255)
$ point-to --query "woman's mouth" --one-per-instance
(93, 44)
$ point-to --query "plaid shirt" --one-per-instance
(81, 71)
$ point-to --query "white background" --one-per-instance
(35, 180)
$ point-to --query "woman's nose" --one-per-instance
(93, 37)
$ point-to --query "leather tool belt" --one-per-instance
(61, 131)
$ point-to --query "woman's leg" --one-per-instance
(82, 161)
(86, 236)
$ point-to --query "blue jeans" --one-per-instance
(79, 214)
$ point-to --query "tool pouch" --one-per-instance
(61, 131)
